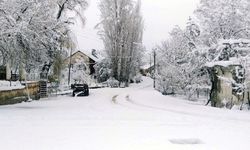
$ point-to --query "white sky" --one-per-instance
(160, 16)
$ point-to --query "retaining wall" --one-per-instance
(19, 95)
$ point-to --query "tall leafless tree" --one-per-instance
(121, 30)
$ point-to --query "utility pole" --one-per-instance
(69, 66)
(150, 64)
(154, 66)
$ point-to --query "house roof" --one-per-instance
(147, 66)
(94, 58)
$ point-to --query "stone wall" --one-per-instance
(19, 95)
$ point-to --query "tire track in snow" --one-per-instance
(114, 99)
(190, 114)
(116, 102)
(128, 99)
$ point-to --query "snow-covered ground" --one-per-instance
(135, 118)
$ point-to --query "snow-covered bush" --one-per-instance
(181, 60)
(238, 85)
(103, 70)
(138, 78)
(165, 85)
(112, 82)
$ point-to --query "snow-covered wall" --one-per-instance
(13, 96)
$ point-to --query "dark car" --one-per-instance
(80, 89)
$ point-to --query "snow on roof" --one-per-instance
(147, 66)
(97, 58)
(89, 54)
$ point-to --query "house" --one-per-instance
(147, 69)
(89, 59)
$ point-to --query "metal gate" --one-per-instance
(43, 89)
(3, 72)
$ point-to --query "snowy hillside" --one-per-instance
(135, 118)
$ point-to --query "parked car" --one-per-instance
(80, 89)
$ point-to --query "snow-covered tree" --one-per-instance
(225, 28)
(32, 31)
(180, 61)
(103, 70)
(223, 19)
(182, 58)
(121, 30)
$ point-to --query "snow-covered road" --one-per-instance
(135, 118)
